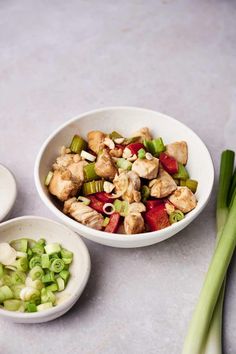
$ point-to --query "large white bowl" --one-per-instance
(35, 228)
(127, 120)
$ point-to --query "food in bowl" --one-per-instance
(32, 273)
(123, 185)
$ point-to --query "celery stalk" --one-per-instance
(210, 304)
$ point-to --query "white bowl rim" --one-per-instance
(67, 303)
(13, 192)
(176, 227)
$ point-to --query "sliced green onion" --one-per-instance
(5, 293)
(37, 283)
(22, 264)
(20, 245)
(48, 278)
(60, 284)
(141, 154)
(18, 277)
(78, 144)
(176, 216)
(38, 248)
(66, 253)
(47, 296)
(29, 294)
(93, 187)
(105, 221)
(31, 307)
(121, 207)
(124, 164)
(45, 261)
(57, 265)
(182, 172)
(52, 248)
(89, 172)
(48, 178)
(44, 306)
(16, 289)
(145, 193)
(36, 273)
(12, 305)
(52, 287)
(84, 200)
(65, 274)
(35, 261)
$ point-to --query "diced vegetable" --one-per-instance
(190, 183)
(65, 274)
(48, 178)
(60, 284)
(78, 144)
(57, 265)
(121, 207)
(155, 146)
(106, 222)
(145, 193)
(89, 172)
(52, 287)
(45, 306)
(153, 203)
(182, 172)
(157, 218)
(31, 307)
(113, 225)
(20, 245)
(5, 293)
(135, 147)
(12, 305)
(93, 187)
(115, 135)
(176, 216)
(36, 273)
(141, 154)
(169, 163)
(45, 261)
(36, 260)
(87, 156)
(51, 248)
(124, 164)
(96, 204)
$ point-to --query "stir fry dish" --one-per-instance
(123, 185)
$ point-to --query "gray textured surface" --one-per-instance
(61, 58)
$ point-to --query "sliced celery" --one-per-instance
(182, 172)
(48, 178)
(190, 183)
(124, 164)
(155, 146)
(78, 144)
(121, 207)
(89, 172)
(93, 187)
(105, 221)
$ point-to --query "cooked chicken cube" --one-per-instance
(96, 140)
(127, 186)
(163, 185)
(104, 166)
(143, 133)
(146, 168)
(77, 170)
(183, 199)
(64, 160)
(136, 208)
(134, 223)
(178, 150)
(83, 213)
(62, 185)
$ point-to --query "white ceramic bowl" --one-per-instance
(35, 228)
(127, 120)
(8, 192)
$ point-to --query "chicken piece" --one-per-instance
(146, 168)
(127, 186)
(96, 140)
(178, 150)
(104, 166)
(136, 208)
(117, 152)
(62, 185)
(162, 186)
(77, 171)
(143, 133)
(83, 213)
(134, 223)
(183, 199)
(64, 160)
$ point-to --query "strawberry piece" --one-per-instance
(169, 163)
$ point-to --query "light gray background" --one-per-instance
(61, 58)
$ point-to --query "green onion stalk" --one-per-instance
(205, 331)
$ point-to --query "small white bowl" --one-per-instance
(8, 192)
(35, 228)
(127, 120)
